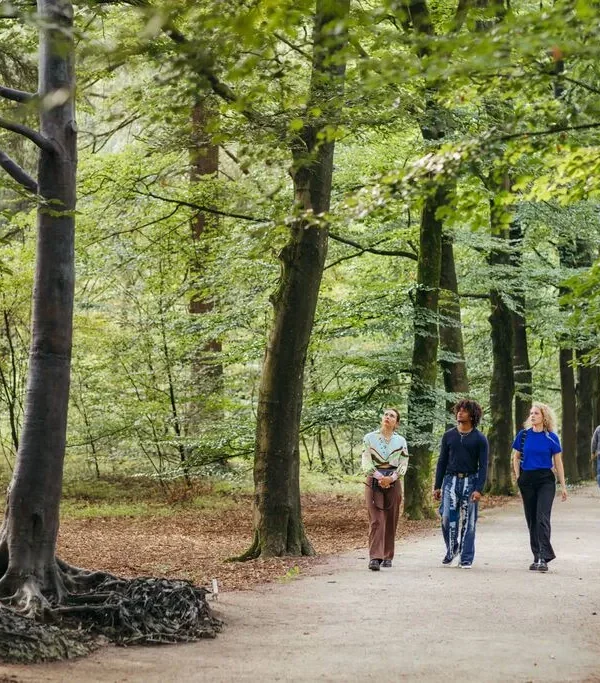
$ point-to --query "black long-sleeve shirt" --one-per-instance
(467, 454)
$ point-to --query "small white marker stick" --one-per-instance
(215, 589)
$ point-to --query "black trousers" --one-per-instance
(538, 489)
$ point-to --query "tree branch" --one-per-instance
(372, 250)
(548, 131)
(33, 135)
(204, 209)
(15, 95)
(17, 173)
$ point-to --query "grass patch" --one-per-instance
(77, 509)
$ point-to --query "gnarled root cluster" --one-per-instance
(80, 610)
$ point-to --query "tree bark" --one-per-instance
(502, 384)
(421, 398)
(277, 513)
(29, 533)
(569, 415)
(207, 374)
(521, 364)
(585, 415)
(452, 354)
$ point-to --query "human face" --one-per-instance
(463, 417)
(389, 419)
(536, 418)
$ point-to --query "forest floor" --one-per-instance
(331, 619)
(193, 533)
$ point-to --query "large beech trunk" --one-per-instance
(522, 366)
(501, 431)
(29, 532)
(569, 415)
(452, 354)
(277, 514)
(422, 398)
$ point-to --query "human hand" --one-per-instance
(385, 482)
(563, 494)
(475, 496)
(437, 494)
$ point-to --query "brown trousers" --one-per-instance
(382, 523)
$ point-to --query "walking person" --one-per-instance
(384, 461)
(459, 480)
(536, 455)
(596, 452)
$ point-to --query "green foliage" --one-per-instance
(515, 98)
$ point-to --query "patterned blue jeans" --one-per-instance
(459, 516)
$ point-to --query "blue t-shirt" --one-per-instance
(538, 449)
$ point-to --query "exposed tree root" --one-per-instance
(252, 553)
(80, 610)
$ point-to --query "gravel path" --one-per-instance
(418, 621)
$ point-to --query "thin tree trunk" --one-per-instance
(569, 415)
(421, 398)
(206, 373)
(29, 532)
(501, 431)
(522, 366)
(277, 513)
(452, 354)
(585, 414)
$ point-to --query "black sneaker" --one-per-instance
(374, 565)
(386, 563)
(542, 566)
(447, 561)
(533, 566)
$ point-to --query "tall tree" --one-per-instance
(521, 364)
(568, 414)
(28, 537)
(422, 398)
(207, 372)
(502, 382)
(452, 354)
(278, 522)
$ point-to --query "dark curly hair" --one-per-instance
(472, 407)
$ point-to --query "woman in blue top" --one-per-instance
(536, 453)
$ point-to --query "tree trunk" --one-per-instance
(569, 415)
(277, 515)
(585, 415)
(502, 386)
(452, 354)
(421, 398)
(29, 532)
(522, 367)
(207, 375)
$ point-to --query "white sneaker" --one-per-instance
(467, 565)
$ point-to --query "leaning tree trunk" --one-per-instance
(501, 434)
(278, 528)
(522, 366)
(30, 529)
(452, 354)
(585, 415)
(569, 415)
(421, 398)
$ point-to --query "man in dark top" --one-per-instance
(459, 479)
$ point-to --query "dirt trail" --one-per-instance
(418, 621)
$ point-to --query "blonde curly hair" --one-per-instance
(548, 417)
